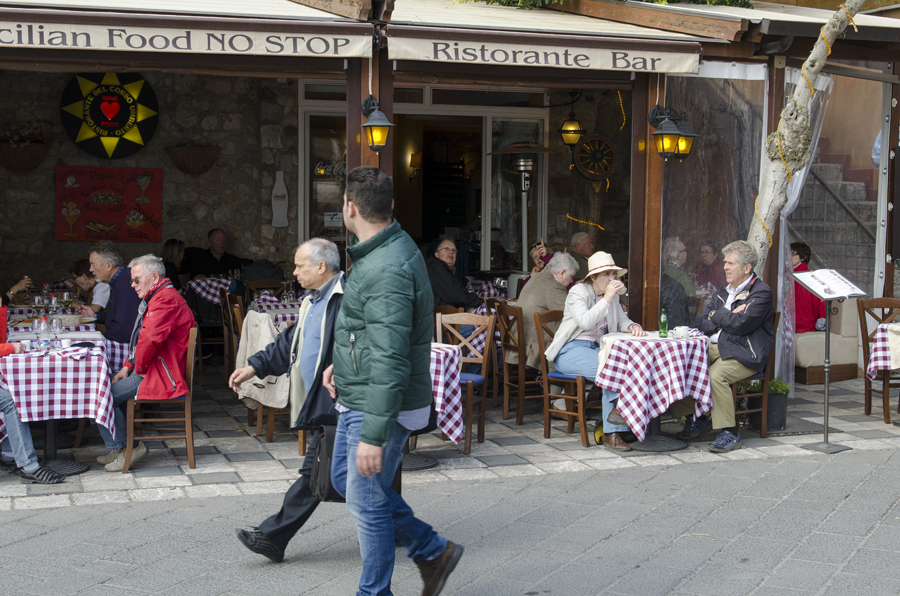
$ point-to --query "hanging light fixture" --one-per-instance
(377, 127)
(666, 138)
(673, 135)
(571, 130)
(685, 140)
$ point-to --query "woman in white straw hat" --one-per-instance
(592, 310)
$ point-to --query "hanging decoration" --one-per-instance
(595, 158)
(109, 115)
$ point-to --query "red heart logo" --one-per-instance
(110, 109)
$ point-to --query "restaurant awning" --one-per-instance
(272, 28)
(443, 31)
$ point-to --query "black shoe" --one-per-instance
(695, 428)
(43, 475)
(261, 544)
(8, 465)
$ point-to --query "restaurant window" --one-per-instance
(506, 99)
(514, 205)
(325, 92)
(708, 198)
(326, 168)
(409, 95)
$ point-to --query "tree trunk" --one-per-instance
(795, 136)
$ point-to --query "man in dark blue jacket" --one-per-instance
(121, 311)
(303, 351)
(739, 322)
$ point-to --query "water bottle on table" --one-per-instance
(663, 324)
(43, 335)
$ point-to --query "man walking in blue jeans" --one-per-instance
(381, 377)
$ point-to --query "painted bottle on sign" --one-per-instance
(279, 202)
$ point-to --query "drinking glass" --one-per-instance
(56, 326)
(66, 300)
(35, 325)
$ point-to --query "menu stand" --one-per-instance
(65, 467)
(828, 285)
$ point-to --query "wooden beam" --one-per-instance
(849, 50)
(653, 184)
(385, 91)
(776, 104)
(360, 10)
(355, 85)
(613, 10)
(739, 49)
(639, 147)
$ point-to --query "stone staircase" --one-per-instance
(837, 216)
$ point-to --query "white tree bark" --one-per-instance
(795, 135)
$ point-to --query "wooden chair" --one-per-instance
(574, 386)
(519, 377)
(229, 337)
(763, 394)
(496, 370)
(520, 283)
(208, 341)
(883, 310)
(143, 415)
(449, 325)
(254, 288)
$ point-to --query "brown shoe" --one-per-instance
(435, 572)
(615, 442)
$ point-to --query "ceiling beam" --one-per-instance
(360, 10)
(651, 16)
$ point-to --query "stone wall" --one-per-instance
(252, 121)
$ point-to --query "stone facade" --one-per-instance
(252, 121)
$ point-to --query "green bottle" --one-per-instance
(663, 324)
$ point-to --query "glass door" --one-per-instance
(326, 166)
(510, 222)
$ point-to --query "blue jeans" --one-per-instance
(121, 391)
(581, 357)
(18, 434)
(380, 513)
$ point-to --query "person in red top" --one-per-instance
(807, 307)
(17, 452)
(159, 343)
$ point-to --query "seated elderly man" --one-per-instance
(158, 347)
(738, 320)
(674, 257)
(546, 291)
(444, 285)
(581, 248)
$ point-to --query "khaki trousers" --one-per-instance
(722, 373)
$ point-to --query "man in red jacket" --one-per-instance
(158, 355)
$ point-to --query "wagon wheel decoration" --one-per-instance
(595, 157)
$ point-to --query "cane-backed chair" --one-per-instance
(448, 327)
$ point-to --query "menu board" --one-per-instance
(828, 284)
(117, 204)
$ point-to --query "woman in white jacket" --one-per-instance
(592, 310)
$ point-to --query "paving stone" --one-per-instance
(505, 441)
(206, 450)
(871, 434)
(847, 583)
(252, 456)
(142, 472)
(214, 478)
(226, 434)
(502, 460)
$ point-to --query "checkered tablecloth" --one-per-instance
(262, 308)
(285, 316)
(652, 374)
(208, 288)
(27, 311)
(445, 387)
(880, 352)
(27, 328)
(478, 342)
(56, 386)
(486, 289)
(266, 298)
(116, 354)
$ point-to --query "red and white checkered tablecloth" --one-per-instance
(116, 354)
(286, 316)
(208, 288)
(27, 311)
(266, 297)
(27, 328)
(880, 354)
(261, 308)
(445, 387)
(486, 289)
(478, 342)
(54, 386)
(651, 374)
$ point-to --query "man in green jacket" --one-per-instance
(382, 381)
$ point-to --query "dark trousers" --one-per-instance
(299, 502)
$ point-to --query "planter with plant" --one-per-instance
(776, 407)
(25, 145)
(193, 159)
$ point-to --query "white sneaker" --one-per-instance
(110, 456)
(139, 453)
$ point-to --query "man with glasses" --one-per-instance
(447, 289)
(157, 354)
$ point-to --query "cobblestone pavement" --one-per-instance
(537, 516)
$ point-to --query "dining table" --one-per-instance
(650, 374)
(57, 384)
(486, 289)
(880, 350)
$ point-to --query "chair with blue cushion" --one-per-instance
(448, 332)
(573, 386)
(144, 414)
(518, 377)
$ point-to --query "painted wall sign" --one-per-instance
(109, 115)
(578, 58)
(183, 41)
(118, 204)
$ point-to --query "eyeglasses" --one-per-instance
(450, 250)
(136, 280)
